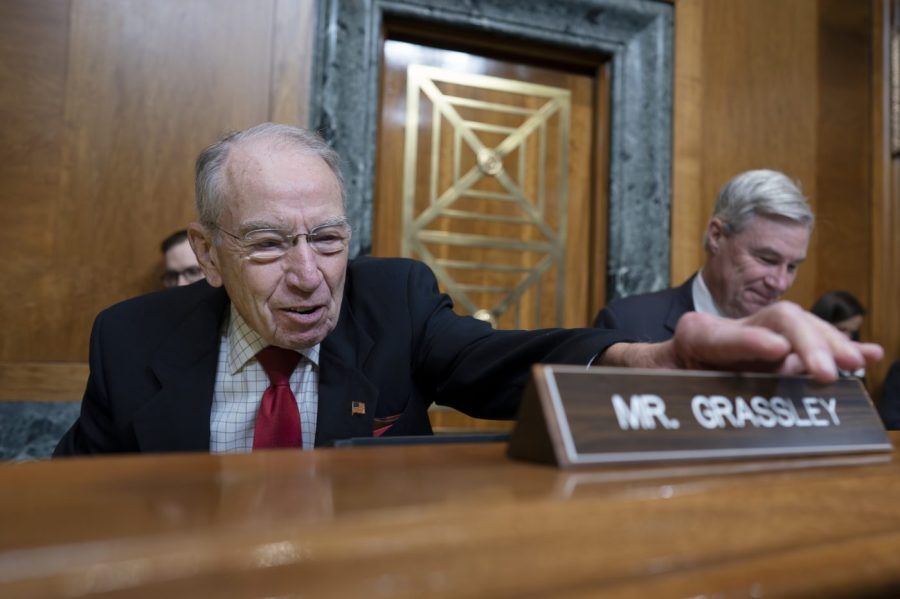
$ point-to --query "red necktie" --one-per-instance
(278, 420)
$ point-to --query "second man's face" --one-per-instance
(754, 268)
(293, 301)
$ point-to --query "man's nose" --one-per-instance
(302, 267)
(780, 279)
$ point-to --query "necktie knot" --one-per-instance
(278, 363)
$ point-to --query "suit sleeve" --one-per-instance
(607, 319)
(890, 398)
(462, 362)
(93, 430)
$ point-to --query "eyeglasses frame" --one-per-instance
(291, 238)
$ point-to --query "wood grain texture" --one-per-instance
(110, 102)
(42, 381)
(689, 209)
(844, 151)
(294, 29)
(600, 201)
(758, 106)
(884, 315)
(147, 89)
(447, 421)
(446, 521)
(32, 101)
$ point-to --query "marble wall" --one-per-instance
(31, 429)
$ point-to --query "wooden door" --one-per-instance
(492, 172)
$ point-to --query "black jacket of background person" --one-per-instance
(649, 317)
(890, 398)
(397, 347)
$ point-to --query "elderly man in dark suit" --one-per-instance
(287, 343)
(754, 242)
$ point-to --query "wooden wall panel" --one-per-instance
(884, 315)
(745, 81)
(292, 61)
(689, 210)
(844, 156)
(112, 100)
(32, 90)
(42, 381)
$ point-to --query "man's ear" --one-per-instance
(201, 243)
(715, 232)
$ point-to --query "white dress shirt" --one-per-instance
(241, 382)
(703, 300)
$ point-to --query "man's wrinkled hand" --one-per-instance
(781, 338)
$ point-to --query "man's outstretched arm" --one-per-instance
(781, 338)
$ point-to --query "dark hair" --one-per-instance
(172, 240)
(836, 306)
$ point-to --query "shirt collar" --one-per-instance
(703, 300)
(244, 343)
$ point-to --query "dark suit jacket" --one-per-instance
(889, 407)
(648, 317)
(397, 347)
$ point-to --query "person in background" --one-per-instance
(290, 343)
(841, 309)
(844, 311)
(755, 241)
(889, 408)
(180, 262)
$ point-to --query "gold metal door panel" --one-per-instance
(485, 191)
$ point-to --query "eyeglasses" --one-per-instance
(191, 274)
(264, 245)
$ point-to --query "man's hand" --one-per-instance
(781, 338)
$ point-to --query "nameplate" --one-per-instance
(572, 415)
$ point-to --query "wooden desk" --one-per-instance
(446, 521)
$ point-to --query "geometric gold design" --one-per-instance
(485, 198)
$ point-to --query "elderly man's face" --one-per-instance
(293, 301)
(754, 268)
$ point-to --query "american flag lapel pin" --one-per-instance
(358, 408)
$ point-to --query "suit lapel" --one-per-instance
(682, 302)
(347, 399)
(177, 417)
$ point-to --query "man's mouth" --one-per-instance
(304, 314)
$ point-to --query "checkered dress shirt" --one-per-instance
(241, 382)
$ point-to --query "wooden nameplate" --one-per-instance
(573, 415)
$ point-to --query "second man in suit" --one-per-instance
(755, 241)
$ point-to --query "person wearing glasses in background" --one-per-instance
(179, 260)
(289, 343)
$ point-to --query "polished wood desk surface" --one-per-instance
(447, 521)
